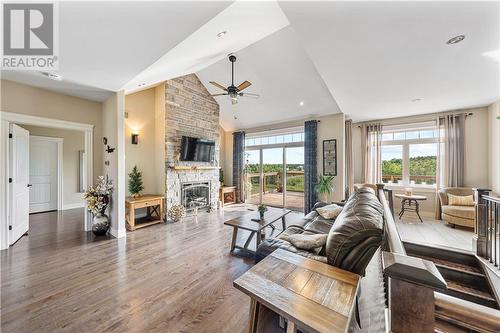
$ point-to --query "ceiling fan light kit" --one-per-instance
(234, 91)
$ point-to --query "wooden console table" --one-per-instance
(154, 205)
(310, 294)
(227, 195)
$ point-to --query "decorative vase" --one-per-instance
(261, 215)
(100, 224)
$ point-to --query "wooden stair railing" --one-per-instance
(413, 290)
(487, 229)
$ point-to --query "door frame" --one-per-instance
(59, 142)
(17, 118)
(260, 149)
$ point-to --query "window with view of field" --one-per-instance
(409, 157)
(274, 168)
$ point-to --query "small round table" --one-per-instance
(410, 203)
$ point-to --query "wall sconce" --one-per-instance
(135, 139)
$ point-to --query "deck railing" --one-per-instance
(487, 229)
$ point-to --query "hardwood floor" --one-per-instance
(168, 277)
(164, 278)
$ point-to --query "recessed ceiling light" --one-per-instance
(221, 34)
(456, 39)
(301, 103)
(53, 76)
(416, 100)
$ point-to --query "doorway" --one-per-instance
(275, 170)
(45, 174)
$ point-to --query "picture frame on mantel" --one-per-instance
(330, 157)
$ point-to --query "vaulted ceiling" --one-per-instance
(370, 60)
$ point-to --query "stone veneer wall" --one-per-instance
(190, 111)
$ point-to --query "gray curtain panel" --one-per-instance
(310, 164)
(349, 168)
(371, 141)
(451, 153)
(239, 165)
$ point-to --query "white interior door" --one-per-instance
(43, 175)
(19, 166)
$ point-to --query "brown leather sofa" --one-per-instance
(457, 215)
(353, 237)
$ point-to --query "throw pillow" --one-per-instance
(307, 242)
(460, 200)
(329, 212)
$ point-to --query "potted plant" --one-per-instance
(98, 197)
(262, 209)
(324, 187)
(135, 185)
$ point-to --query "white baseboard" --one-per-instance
(74, 205)
(118, 233)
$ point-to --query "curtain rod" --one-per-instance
(467, 114)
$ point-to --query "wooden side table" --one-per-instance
(409, 203)
(154, 205)
(311, 295)
(227, 195)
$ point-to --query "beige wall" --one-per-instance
(494, 146)
(476, 153)
(20, 98)
(160, 138)
(72, 144)
(140, 107)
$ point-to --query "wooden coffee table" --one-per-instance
(406, 204)
(245, 222)
(311, 295)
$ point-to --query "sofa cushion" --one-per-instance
(319, 226)
(460, 200)
(307, 242)
(329, 212)
(357, 232)
(467, 212)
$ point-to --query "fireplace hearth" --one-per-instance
(195, 195)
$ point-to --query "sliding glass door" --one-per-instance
(275, 171)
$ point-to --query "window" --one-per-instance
(409, 156)
(290, 136)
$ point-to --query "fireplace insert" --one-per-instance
(196, 195)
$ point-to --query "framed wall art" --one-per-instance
(330, 157)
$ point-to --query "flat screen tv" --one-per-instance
(196, 149)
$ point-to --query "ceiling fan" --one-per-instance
(234, 91)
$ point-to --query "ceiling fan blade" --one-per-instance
(220, 86)
(219, 95)
(250, 95)
(244, 85)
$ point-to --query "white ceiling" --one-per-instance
(371, 59)
(376, 57)
(106, 44)
(283, 75)
(245, 23)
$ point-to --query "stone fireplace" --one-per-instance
(190, 111)
(195, 194)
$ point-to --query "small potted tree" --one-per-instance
(135, 185)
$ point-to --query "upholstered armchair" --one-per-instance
(457, 214)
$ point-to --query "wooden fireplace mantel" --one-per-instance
(186, 167)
